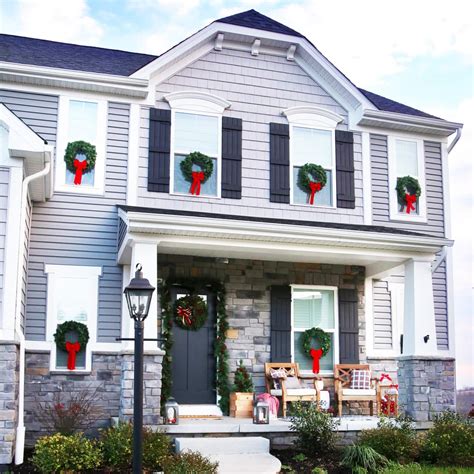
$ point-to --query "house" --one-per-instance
(287, 218)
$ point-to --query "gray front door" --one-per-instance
(193, 363)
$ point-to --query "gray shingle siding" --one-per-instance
(259, 88)
(382, 317)
(4, 180)
(72, 229)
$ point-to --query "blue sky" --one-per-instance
(417, 52)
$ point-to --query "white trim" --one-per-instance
(421, 217)
(446, 191)
(451, 304)
(197, 101)
(55, 272)
(366, 178)
(312, 116)
(335, 332)
(369, 316)
(133, 154)
(101, 147)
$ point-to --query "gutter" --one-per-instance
(20, 430)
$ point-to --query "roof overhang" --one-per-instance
(408, 123)
(194, 234)
(78, 80)
(23, 143)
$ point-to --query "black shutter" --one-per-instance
(280, 324)
(231, 158)
(280, 163)
(159, 151)
(348, 327)
(345, 169)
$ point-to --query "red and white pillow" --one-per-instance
(360, 379)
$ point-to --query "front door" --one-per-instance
(193, 362)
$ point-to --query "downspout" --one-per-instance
(455, 140)
(20, 430)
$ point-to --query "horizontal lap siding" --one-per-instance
(24, 278)
(382, 315)
(4, 180)
(71, 229)
(441, 306)
(258, 88)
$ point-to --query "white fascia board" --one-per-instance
(70, 79)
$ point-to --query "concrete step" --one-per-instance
(197, 411)
(234, 454)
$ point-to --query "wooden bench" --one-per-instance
(297, 391)
(343, 392)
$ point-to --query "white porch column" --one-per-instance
(146, 253)
(419, 318)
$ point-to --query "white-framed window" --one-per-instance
(196, 126)
(85, 120)
(406, 158)
(73, 295)
(312, 140)
(314, 306)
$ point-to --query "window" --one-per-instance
(406, 159)
(193, 132)
(314, 307)
(67, 286)
(81, 120)
(312, 140)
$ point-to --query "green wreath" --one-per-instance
(197, 158)
(315, 333)
(190, 312)
(311, 172)
(80, 148)
(71, 326)
(409, 185)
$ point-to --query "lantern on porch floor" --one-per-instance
(261, 413)
(171, 412)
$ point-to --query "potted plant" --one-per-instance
(241, 398)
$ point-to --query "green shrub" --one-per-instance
(117, 447)
(394, 438)
(189, 462)
(363, 459)
(58, 453)
(450, 442)
(314, 429)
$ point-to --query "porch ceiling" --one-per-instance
(215, 236)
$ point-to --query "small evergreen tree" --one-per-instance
(243, 380)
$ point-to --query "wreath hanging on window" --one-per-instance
(190, 312)
(408, 192)
(72, 348)
(196, 178)
(311, 179)
(324, 340)
(78, 168)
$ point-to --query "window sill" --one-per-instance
(70, 372)
(194, 196)
(408, 218)
(79, 190)
(312, 206)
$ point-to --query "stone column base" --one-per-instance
(151, 387)
(426, 385)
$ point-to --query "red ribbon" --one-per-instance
(316, 354)
(410, 199)
(198, 176)
(315, 187)
(80, 167)
(185, 314)
(385, 376)
(72, 348)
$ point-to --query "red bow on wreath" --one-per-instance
(80, 167)
(410, 199)
(315, 187)
(198, 176)
(72, 349)
(385, 376)
(316, 354)
(185, 314)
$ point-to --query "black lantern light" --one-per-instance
(171, 412)
(138, 294)
(261, 413)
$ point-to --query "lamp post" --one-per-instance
(138, 295)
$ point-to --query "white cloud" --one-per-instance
(177, 7)
(68, 21)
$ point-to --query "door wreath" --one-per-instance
(190, 312)
(78, 168)
(311, 179)
(408, 192)
(72, 348)
(196, 178)
(324, 341)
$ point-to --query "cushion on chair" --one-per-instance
(359, 391)
(292, 383)
(278, 373)
(296, 392)
(360, 379)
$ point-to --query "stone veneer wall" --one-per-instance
(248, 284)
(9, 375)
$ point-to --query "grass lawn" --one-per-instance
(430, 470)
